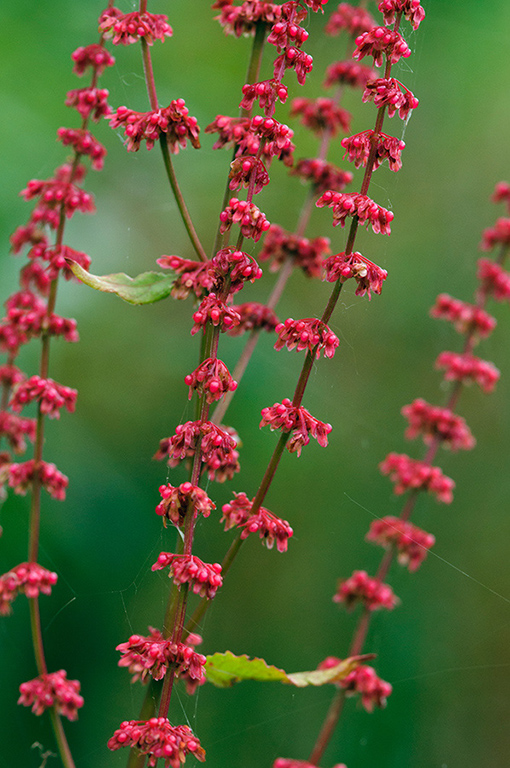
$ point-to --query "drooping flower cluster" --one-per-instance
(372, 689)
(466, 367)
(127, 28)
(307, 334)
(52, 690)
(176, 502)
(238, 513)
(365, 589)
(157, 739)
(174, 121)
(411, 543)
(280, 245)
(298, 421)
(407, 474)
(203, 578)
(217, 448)
(151, 657)
(29, 579)
(368, 276)
(436, 423)
(345, 204)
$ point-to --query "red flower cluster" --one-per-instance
(499, 234)
(192, 276)
(322, 175)
(253, 316)
(466, 318)
(387, 148)
(204, 578)
(348, 18)
(346, 204)
(15, 429)
(310, 334)
(151, 656)
(242, 19)
(379, 40)
(368, 275)
(412, 544)
(407, 474)
(279, 245)
(214, 310)
(270, 528)
(364, 681)
(128, 28)
(21, 476)
(174, 121)
(91, 103)
(52, 690)
(217, 448)
(348, 73)
(94, 56)
(51, 396)
(29, 579)
(246, 171)
(238, 266)
(83, 143)
(437, 423)
(362, 588)
(176, 502)
(211, 379)
(411, 9)
(252, 221)
(295, 419)
(157, 739)
(390, 93)
(465, 367)
(266, 93)
(495, 279)
(56, 193)
(321, 115)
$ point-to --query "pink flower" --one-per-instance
(94, 56)
(192, 276)
(293, 58)
(436, 423)
(295, 419)
(379, 40)
(252, 221)
(373, 690)
(242, 20)
(411, 542)
(50, 395)
(411, 9)
(177, 501)
(266, 93)
(279, 245)
(321, 115)
(466, 367)
(203, 578)
(270, 528)
(392, 94)
(466, 318)
(217, 447)
(286, 33)
(499, 234)
(52, 690)
(360, 587)
(157, 739)
(407, 474)
(237, 266)
(15, 429)
(211, 379)
(306, 334)
(322, 175)
(246, 170)
(130, 27)
(495, 280)
(345, 204)
(349, 73)
(358, 148)
(214, 310)
(368, 276)
(89, 102)
(20, 478)
(350, 19)
(174, 121)
(501, 193)
(253, 316)
(151, 656)
(29, 579)
(83, 143)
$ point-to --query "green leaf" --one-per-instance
(142, 289)
(225, 669)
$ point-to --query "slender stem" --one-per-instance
(63, 746)
(328, 726)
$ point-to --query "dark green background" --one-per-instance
(445, 649)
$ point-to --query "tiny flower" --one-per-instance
(253, 316)
(392, 94)
(360, 587)
(368, 276)
(436, 423)
(176, 502)
(203, 578)
(192, 276)
(174, 121)
(242, 20)
(94, 56)
(347, 204)
(495, 280)
(270, 528)
(214, 310)
(217, 448)
(309, 334)
(499, 234)
(20, 478)
(412, 544)
(252, 221)
(322, 175)
(466, 318)
(247, 170)
(52, 690)
(15, 429)
(279, 245)
(157, 739)
(350, 19)
(466, 367)
(373, 690)
(359, 146)
(295, 419)
(29, 579)
(50, 395)
(321, 115)
(293, 58)
(130, 27)
(379, 40)
(151, 656)
(237, 265)
(349, 73)
(266, 93)
(211, 379)
(411, 9)
(83, 143)
(89, 102)
(407, 474)
(286, 33)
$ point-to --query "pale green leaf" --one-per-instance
(142, 289)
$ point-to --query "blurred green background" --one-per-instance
(445, 648)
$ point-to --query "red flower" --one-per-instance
(411, 542)
(407, 473)
(270, 528)
(29, 579)
(360, 587)
(203, 578)
(307, 334)
(439, 423)
(174, 121)
(130, 27)
(367, 274)
(345, 204)
(52, 690)
(159, 740)
(379, 40)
